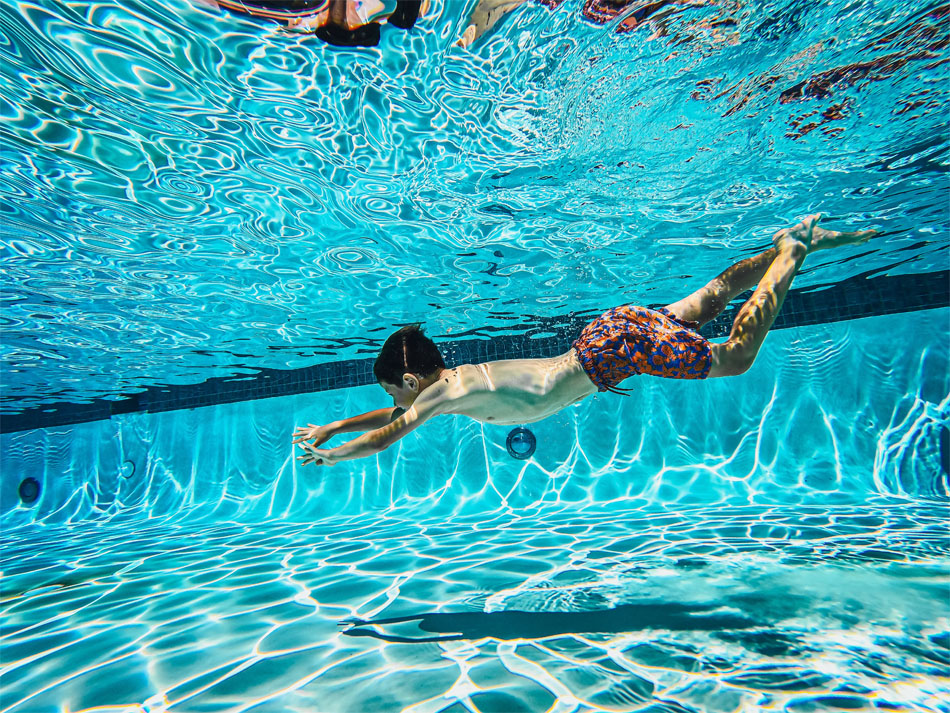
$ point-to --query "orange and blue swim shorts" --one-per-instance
(630, 340)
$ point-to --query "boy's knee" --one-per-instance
(742, 364)
(733, 359)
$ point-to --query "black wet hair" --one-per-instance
(407, 351)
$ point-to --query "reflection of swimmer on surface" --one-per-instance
(356, 23)
(920, 38)
(487, 13)
(622, 342)
(344, 23)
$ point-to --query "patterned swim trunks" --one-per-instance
(630, 340)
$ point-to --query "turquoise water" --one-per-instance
(189, 194)
(777, 541)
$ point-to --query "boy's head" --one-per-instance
(407, 359)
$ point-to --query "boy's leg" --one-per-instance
(709, 301)
(755, 317)
(706, 303)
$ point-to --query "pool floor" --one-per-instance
(604, 607)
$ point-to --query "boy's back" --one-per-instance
(511, 391)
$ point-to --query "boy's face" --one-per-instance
(403, 395)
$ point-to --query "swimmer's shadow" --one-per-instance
(508, 625)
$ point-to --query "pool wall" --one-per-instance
(828, 414)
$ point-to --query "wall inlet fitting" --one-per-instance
(29, 491)
(521, 443)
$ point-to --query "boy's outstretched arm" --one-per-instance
(364, 422)
(379, 439)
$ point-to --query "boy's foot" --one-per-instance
(822, 239)
(797, 237)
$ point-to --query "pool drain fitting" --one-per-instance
(29, 491)
(521, 443)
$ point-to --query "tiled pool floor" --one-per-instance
(573, 609)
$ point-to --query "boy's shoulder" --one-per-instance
(455, 383)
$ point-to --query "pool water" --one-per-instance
(188, 194)
(746, 545)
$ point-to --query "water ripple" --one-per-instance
(243, 164)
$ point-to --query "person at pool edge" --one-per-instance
(623, 341)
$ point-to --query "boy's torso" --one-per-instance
(514, 391)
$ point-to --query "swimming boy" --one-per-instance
(624, 341)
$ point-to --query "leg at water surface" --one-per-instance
(756, 316)
(709, 301)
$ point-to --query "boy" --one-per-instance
(623, 341)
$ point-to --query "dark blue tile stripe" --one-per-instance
(851, 299)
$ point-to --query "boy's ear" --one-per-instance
(410, 381)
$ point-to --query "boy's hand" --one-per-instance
(317, 434)
(316, 456)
